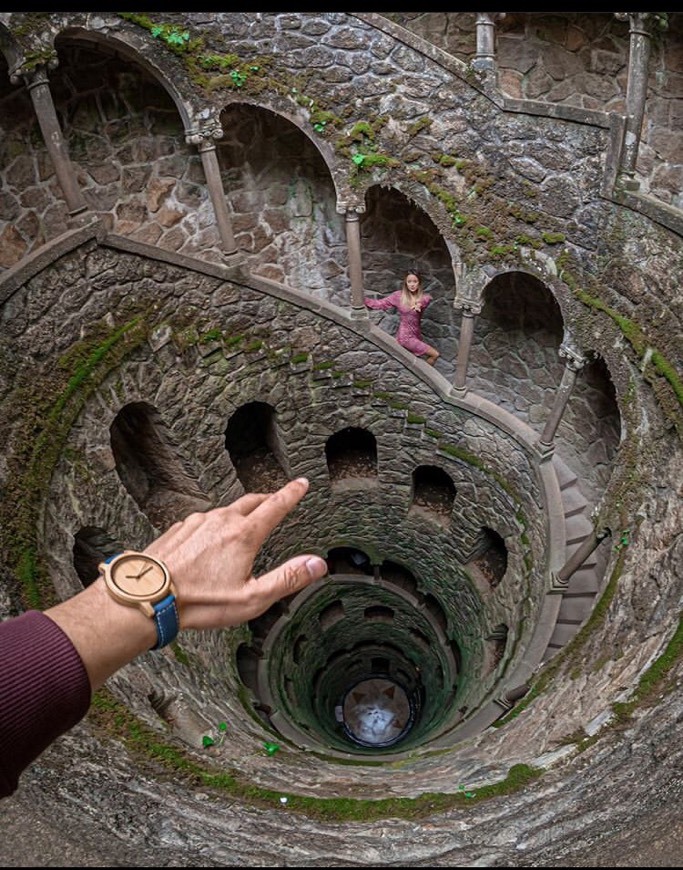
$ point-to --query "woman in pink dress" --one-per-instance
(411, 301)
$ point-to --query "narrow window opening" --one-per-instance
(433, 492)
(332, 614)
(348, 560)
(492, 560)
(379, 613)
(91, 546)
(253, 442)
(150, 468)
(351, 456)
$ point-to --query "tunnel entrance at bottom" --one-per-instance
(376, 712)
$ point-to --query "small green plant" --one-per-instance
(623, 541)
(207, 740)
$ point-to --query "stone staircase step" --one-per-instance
(583, 581)
(575, 609)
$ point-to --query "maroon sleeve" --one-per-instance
(44, 691)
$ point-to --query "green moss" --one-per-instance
(638, 341)
(447, 160)
(212, 335)
(415, 418)
(328, 364)
(553, 238)
(299, 357)
(651, 682)
(148, 747)
(52, 406)
(180, 654)
(421, 124)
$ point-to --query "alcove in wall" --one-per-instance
(256, 448)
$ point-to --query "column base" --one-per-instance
(557, 586)
(544, 451)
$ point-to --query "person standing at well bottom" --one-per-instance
(410, 301)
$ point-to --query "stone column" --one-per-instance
(485, 57)
(560, 579)
(204, 140)
(469, 313)
(574, 363)
(641, 24)
(36, 81)
(352, 222)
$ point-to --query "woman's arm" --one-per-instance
(385, 304)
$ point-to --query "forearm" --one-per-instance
(105, 634)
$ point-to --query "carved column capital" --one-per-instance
(468, 307)
(644, 23)
(574, 360)
(32, 74)
(350, 208)
(204, 137)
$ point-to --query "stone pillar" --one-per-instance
(469, 313)
(641, 24)
(352, 221)
(560, 579)
(38, 87)
(574, 363)
(204, 140)
(485, 57)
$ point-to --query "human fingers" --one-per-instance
(246, 503)
(275, 507)
(290, 577)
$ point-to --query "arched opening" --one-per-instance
(256, 450)
(91, 546)
(351, 456)
(348, 560)
(149, 466)
(514, 360)
(283, 202)
(492, 558)
(433, 493)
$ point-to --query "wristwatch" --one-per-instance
(138, 580)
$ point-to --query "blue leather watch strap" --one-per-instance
(166, 620)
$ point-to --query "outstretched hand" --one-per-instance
(210, 556)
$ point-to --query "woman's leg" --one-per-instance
(432, 355)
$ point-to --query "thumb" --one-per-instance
(291, 576)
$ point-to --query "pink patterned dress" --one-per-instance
(409, 334)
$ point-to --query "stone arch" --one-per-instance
(348, 560)
(491, 560)
(398, 234)
(351, 455)
(134, 47)
(256, 449)
(92, 544)
(149, 465)
(514, 359)
(8, 47)
(433, 492)
(284, 200)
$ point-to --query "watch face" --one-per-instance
(139, 577)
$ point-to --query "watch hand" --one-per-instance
(137, 576)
